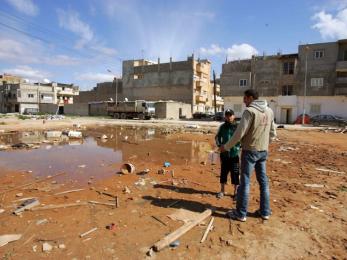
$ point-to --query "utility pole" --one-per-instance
(305, 87)
(214, 92)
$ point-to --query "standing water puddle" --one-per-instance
(96, 156)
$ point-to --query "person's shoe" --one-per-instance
(233, 215)
(220, 195)
(262, 216)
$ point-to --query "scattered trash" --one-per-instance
(328, 170)
(192, 126)
(140, 182)
(175, 244)
(127, 168)
(314, 185)
(126, 190)
(46, 247)
(5, 239)
(19, 194)
(41, 222)
(82, 166)
(282, 161)
(75, 134)
(2, 211)
(314, 207)
(4, 147)
(104, 137)
(167, 164)
(53, 134)
(27, 204)
(162, 171)
(61, 246)
(88, 232)
(150, 252)
(34, 248)
(111, 226)
(20, 146)
(286, 148)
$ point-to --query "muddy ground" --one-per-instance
(307, 222)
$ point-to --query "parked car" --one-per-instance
(219, 116)
(31, 111)
(201, 115)
(328, 120)
(307, 119)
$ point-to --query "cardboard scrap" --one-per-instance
(183, 215)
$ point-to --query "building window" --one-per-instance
(317, 82)
(237, 108)
(243, 83)
(30, 95)
(318, 54)
(315, 109)
(288, 67)
(138, 76)
(287, 90)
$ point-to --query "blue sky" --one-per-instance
(78, 41)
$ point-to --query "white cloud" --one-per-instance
(24, 6)
(95, 77)
(24, 50)
(330, 26)
(104, 50)
(236, 51)
(241, 51)
(27, 72)
(71, 21)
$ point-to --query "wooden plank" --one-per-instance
(102, 203)
(31, 183)
(68, 191)
(88, 232)
(208, 229)
(61, 206)
(181, 231)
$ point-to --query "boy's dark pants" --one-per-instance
(232, 165)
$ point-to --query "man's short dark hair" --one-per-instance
(251, 93)
(229, 112)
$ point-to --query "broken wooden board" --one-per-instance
(181, 231)
(60, 206)
(68, 191)
(5, 239)
(26, 205)
(208, 229)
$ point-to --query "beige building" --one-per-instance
(35, 97)
(183, 81)
(313, 80)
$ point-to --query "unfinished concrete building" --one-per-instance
(35, 97)
(184, 81)
(280, 79)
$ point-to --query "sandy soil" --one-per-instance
(307, 222)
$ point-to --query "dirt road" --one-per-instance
(307, 172)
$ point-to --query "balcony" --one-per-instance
(200, 98)
(341, 66)
(68, 92)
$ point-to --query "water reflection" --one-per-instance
(101, 156)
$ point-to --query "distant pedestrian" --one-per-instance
(229, 159)
(255, 131)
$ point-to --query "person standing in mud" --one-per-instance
(255, 131)
(229, 159)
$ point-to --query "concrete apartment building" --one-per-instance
(28, 97)
(183, 81)
(280, 79)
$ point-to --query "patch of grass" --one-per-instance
(22, 117)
